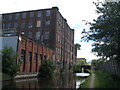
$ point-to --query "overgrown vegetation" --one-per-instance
(77, 68)
(106, 80)
(102, 80)
(9, 66)
(86, 83)
(47, 69)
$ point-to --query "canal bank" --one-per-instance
(19, 76)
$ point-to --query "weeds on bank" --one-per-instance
(106, 80)
(86, 83)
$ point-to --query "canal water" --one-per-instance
(64, 80)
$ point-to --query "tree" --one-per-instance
(77, 68)
(9, 65)
(77, 47)
(47, 69)
(105, 31)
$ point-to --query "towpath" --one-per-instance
(92, 80)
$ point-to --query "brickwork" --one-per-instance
(27, 45)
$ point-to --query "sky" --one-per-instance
(75, 11)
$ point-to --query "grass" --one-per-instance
(106, 80)
(86, 83)
(102, 80)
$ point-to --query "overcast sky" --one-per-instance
(73, 10)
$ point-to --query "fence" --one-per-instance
(112, 66)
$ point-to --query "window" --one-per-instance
(31, 14)
(45, 57)
(23, 54)
(17, 16)
(3, 18)
(39, 14)
(9, 25)
(58, 38)
(10, 17)
(3, 26)
(37, 37)
(48, 13)
(6, 17)
(30, 34)
(23, 25)
(29, 56)
(35, 56)
(38, 23)
(30, 24)
(47, 23)
(46, 35)
(15, 25)
(24, 15)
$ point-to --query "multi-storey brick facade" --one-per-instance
(45, 26)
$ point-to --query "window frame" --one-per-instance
(24, 15)
(23, 24)
(30, 24)
(38, 23)
(39, 14)
(15, 24)
(31, 14)
(17, 15)
(37, 35)
(47, 23)
(48, 13)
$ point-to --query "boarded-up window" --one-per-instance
(38, 23)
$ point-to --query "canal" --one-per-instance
(64, 80)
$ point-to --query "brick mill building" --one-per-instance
(45, 34)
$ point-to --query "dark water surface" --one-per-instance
(65, 80)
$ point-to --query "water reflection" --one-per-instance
(78, 82)
(65, 80)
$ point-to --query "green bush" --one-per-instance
(9, 66)
(77, 68)
(47, 69)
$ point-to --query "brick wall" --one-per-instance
(31, 62)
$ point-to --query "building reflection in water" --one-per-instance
(65, 80)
